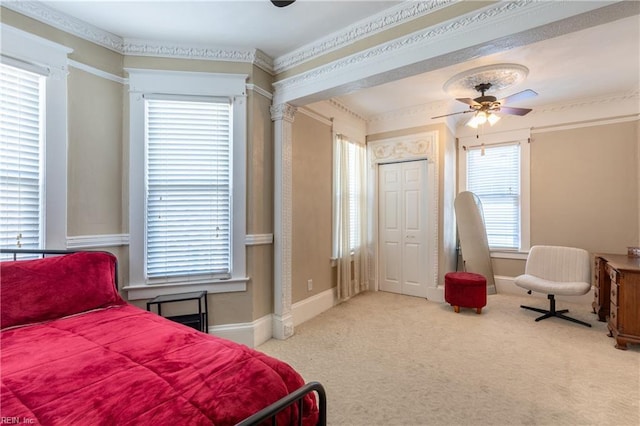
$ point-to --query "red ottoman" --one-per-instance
(465, 289)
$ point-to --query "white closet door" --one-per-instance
(402, 211)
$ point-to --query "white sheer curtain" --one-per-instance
(349, 216)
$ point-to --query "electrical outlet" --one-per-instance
(309, 285)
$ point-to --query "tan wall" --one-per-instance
(584, 190)
(312, 207)
(508, 267)
(94, 155)
(260, 202)
(584, 187)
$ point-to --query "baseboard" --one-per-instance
(507, 285)
(436, 294)
(312, 306)
(251, 334)
(259, 331)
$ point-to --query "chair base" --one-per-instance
(553, 313)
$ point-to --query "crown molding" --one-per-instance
(421, 110)
(382, 21)
(86, 31)
(343, 108)
(456, 39)
(66, 23)
(583, 124)
(420, 39)
(617, 98)
(134, 47)
(626, 103)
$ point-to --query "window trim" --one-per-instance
(34, 51)
(522, 137)
(146, 81)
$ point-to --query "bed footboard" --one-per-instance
(293, 398)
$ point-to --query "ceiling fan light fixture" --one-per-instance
(481, 117)
(478, 119)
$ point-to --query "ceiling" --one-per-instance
(580, 65)
(595, 62)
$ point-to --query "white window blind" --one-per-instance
(21, 121)
(188, 188)
(355, 192)
(349, 195)
(493, 174)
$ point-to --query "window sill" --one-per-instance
(511, 254)
(149, 291)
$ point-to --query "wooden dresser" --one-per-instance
(617, 296)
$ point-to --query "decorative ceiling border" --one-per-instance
(402, 13)
(425, 109)
(86, 31)
(342, 107)
(382, 21)
(615, 98)
(64, 22)
(135, 47)
(423, 37)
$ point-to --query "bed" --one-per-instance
(75, 353)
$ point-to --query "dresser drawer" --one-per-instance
(613, 316)
(613, 294)
(613, 273)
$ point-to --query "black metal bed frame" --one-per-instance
(294, 397)
(259, 418)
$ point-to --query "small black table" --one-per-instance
(199, 320)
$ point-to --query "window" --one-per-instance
(33, 141)
(188, 214)
(493, 174)
(187, 182)
(497, 172)
(350, 194)
(21, 119)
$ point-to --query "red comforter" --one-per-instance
(121, 365)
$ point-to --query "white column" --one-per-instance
(282, 116)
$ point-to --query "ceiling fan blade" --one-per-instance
(525, 94)
(453, 113)
(515, 111)
(467, 101)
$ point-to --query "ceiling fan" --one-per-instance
(282, 3)
(485, 106)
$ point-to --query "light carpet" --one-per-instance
(387, 359)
